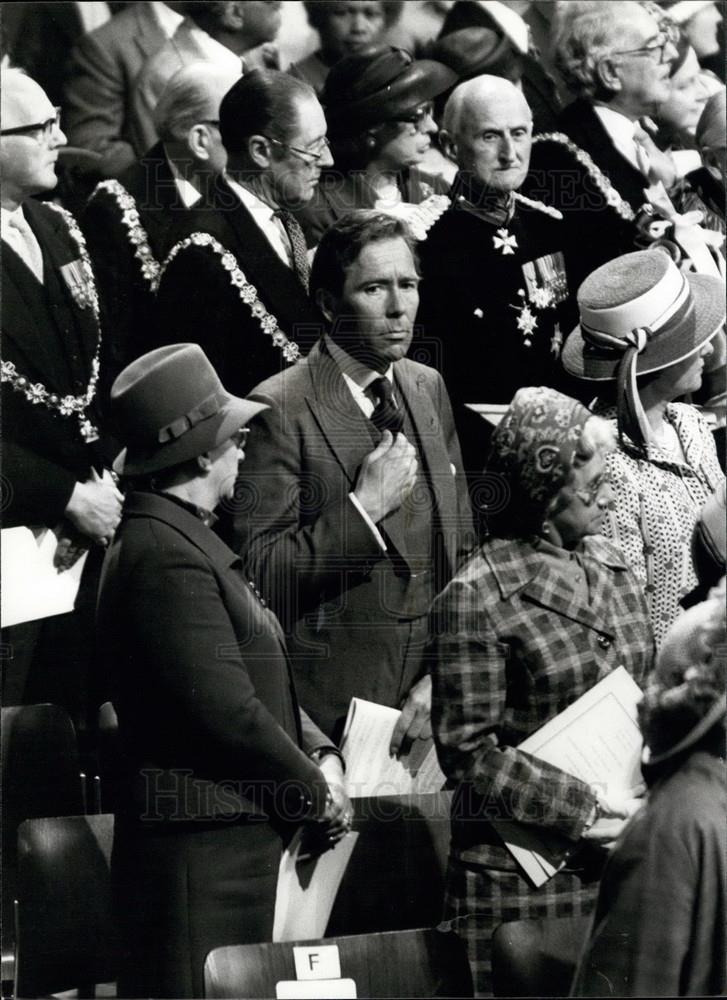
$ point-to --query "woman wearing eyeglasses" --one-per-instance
(543, 611)
(380, 126)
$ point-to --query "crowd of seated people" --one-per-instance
(379, 355)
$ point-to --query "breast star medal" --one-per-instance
(527, 321)
(504, 242)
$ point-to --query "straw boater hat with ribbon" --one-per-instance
(639, 314)
(169, 406)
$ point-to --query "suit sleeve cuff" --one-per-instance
(372, 527)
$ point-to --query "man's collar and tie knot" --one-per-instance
(387, 415)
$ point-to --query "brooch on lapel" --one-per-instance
(75, 279)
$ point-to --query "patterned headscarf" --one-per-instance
(533, 447)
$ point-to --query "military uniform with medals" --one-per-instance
(495, 304)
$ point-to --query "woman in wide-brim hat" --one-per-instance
(660, 923)
(645, 330)
(378, 106)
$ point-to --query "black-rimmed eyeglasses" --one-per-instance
(308, 156)
(44, 129)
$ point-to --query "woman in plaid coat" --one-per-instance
(542, 612)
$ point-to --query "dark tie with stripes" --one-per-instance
(387, 415)
(297, 245)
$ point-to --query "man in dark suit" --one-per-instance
(219, 761)
(232, 35)
(53, 456)
(352, 510)
(615, 56)
(496, 299)
(236, 280)
(129, 222)
(101, 73)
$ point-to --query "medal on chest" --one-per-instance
(546, 286)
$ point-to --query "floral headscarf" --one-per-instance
(533, 447)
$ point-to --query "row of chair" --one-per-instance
(383, 927)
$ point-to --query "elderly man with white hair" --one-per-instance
(616, 58)
(496, 300)
(130, 222)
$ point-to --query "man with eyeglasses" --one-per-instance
(615, 55)
(130, 222)
(236, 279)
(53, 455)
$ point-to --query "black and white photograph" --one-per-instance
(362, 499)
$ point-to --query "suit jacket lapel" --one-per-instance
(334, 409)
(149, 36)
(261, 265)
(58, 255)
(431, 442)
(25, 321)
(628, 181)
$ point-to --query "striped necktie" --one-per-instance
(387, 415)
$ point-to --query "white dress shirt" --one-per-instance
(93, 14)
(264, 218)
(167, 19)
(621, 132)
(215, 52)
(188, 193)
(16, 232)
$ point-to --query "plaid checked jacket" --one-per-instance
(513, 646)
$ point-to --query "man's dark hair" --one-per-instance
(261, 103)
(343, 242)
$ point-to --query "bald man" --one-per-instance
(53, 454)
(161, 187)
(495, 299)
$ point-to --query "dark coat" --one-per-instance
(556, 177)
(198, 302)
(660, 924)
(470, 305)
(213, 743)
(101, 74)
(52, 341)
(123, 270)
(338, 594)
(179, 620)
(39, 37)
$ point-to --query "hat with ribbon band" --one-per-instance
(639, 314)
(377, 85)
(169, 406)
